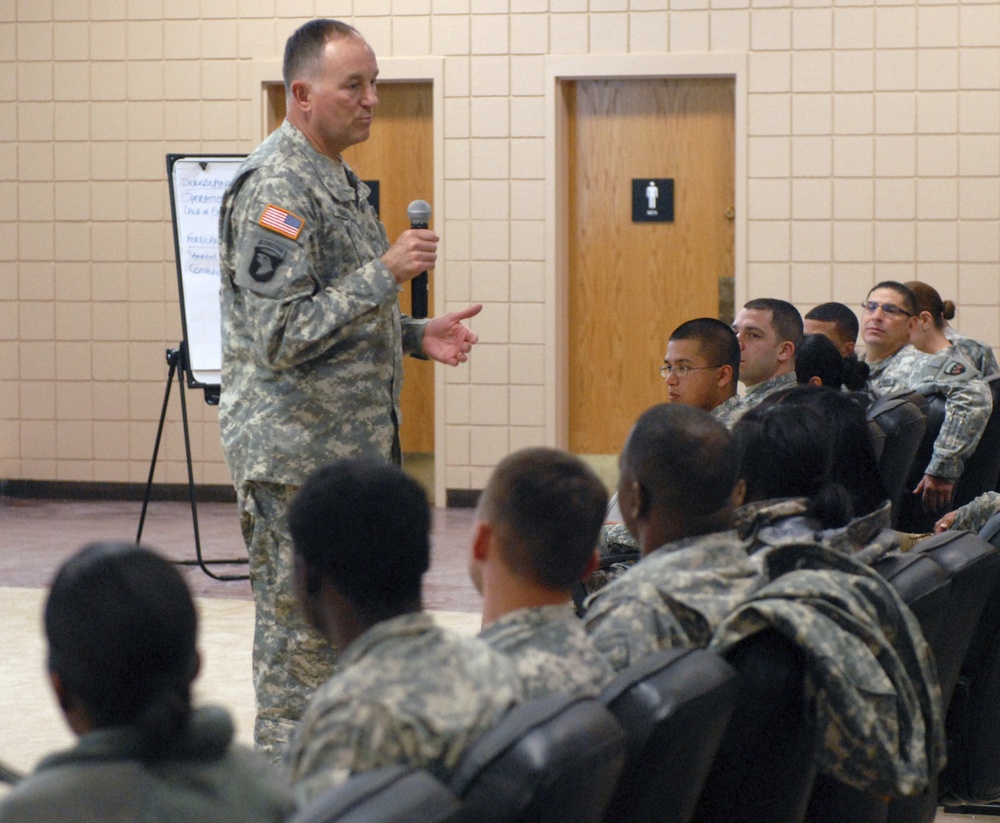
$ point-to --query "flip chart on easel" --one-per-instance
(197, 184)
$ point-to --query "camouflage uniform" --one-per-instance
(967, 407)
(109, 777)
(784, 522)
(973, 516)
(870, 677)
(407, 692)
(755, 394)
(675, 596)
(550, 650)
(978, 354)
(311, 372)
(729, 411)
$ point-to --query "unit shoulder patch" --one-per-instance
(264, 263)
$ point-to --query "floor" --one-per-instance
(36, 536)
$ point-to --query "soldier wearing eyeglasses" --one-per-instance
(889, 314)
(702, 368)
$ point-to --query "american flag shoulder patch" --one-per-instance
(281, 221)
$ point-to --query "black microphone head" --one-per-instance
(419, 212)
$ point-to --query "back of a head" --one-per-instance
(818, 356)
(785, 318)
(788, 451)
(547, 507)
(843, 318)
(854, 464)
(928, 300)
(685, 461)
(717, 340)
(304, 48)
(364, 526)
(121, 629)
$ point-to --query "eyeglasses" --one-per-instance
(888, 309)
(681, 371)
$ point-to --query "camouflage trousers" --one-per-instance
(290, 659)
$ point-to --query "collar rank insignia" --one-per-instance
(283, 222)
(266, 257)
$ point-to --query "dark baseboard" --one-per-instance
(81, 490)
(462, 498)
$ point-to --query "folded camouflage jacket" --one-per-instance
(871, 682)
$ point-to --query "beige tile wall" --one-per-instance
(872, 151)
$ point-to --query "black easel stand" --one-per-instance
(177, 360)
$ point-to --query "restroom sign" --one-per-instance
(652, 200)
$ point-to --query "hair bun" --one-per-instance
(948, 310)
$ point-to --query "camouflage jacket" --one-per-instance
(312, 335)
(111, 776)
(784, 521)
(729, 411)
(978, 354)
(551, 651)
(973, 516)
(968, 401)
(870, 679)
(755, 394)
(675, 596)
(407, 692)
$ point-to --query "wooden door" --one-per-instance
(400, 155)
(630, 284)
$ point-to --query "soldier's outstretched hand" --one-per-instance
(447, 340)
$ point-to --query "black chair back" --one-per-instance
(395, 794)
(900, 419)
(766, 765)
(912, 517)
(555, 760)
(973, 771)
(674, 707)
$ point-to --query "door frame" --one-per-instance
(399, 70)
(618, 67)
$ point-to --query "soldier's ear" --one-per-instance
(592, 564)
(482, 537)
(301, 94)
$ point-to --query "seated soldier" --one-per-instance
(677, 491)
(121, 627)
(890, 315)
(810, 475)
(836, 321)
(932, 334)
(769, 332)
(406, 691)
(702, 368)
(533, 541)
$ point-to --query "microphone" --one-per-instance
(419, 212)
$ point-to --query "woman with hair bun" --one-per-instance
(818, 362)
(933, 334)
(121, 626)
